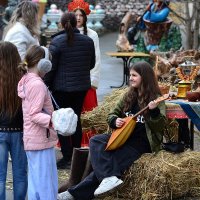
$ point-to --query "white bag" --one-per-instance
(64, 121)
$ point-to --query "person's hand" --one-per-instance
(119, 122)
(152, 105)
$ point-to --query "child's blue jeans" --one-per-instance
(12, 142)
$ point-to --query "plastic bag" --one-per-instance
(64, 121)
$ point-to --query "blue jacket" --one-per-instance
(156, 16)
(71, 65)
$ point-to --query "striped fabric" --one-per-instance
(191, 109)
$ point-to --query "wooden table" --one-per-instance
(182, 109)
(126, 57)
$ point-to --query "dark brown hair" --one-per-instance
(68, 21)
(9, 78)
(32, 57)
(148, 90)
(84, 21)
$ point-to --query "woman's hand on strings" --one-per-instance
(119, 122)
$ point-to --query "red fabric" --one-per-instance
(175, 111)
(58, 145)
(176, 115)
(86, 137)
(79, 4)
(90, 101)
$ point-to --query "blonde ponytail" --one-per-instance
(23, 67)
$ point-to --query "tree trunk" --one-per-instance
(196, 6)
(188, 27)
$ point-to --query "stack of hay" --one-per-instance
(162, 176)
(97, 117)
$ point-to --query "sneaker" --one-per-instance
(107, 184)
(65, 196)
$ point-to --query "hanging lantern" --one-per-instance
(186, 71)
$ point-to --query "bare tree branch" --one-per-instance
(194, 10)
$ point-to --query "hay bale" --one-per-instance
(162, 176)
(97, 117)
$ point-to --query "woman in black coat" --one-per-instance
(73, 56)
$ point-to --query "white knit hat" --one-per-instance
(64, 121)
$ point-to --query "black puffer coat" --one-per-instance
(71, 64)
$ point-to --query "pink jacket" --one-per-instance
(37, 109)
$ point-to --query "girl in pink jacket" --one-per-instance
(39, 137)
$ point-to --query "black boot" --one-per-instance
(79, 159)
(63, 164)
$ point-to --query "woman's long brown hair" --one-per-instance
(148, 90)
(9, 78)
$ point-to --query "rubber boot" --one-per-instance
(79, 159)
(88, 168)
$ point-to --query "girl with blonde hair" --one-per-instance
(23, 27)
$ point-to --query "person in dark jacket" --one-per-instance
(73, 56)
(146, 137)
(11, 123)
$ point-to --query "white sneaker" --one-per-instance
(107, 184)
(65, 196)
